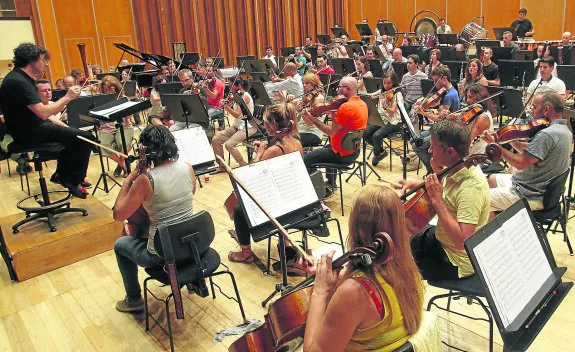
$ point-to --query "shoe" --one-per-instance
(328, 192)
(243, 256)
(412, 163)
(22, 168)
(126, 306)
(377, 158)
(76, 190)
(117, 171)
(56, 178)
(321, 231)
(86, 184)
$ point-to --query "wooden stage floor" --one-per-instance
(72, 308)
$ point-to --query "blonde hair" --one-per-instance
(284, 116)
(378, 209)
(109, 82)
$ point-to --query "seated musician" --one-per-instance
(449, 103)
(27, 118)
(473, 75)
(508, 41)
(59, 84)
(235, 134)
(547, 81)
(166, 192)
(270, 56)
(490, 68)
(96, 70)
(396, 56)
(300, 60)
(362, 67)
(443, 27)
(483, 122)
(374, 309)
(390, 115)
(461, 201)
(158, 114)
(341, 51)
(310, 136)
(350, 116)
(125, 75)
(541, 55)
(109, 133)
(538, 162)
(566, 39)
(411, 81)
(386, 47)
(291, 84)
(279, 125)
(78, 75)
(69, 82)
(434, 61)
(214, 92)
(322, 66)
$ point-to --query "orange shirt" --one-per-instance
(351, 116)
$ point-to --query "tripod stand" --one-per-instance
(362, 167)
(104, 174)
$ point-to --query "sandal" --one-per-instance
(241, 257)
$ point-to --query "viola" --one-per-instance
(328, 107)
(514, 132)
(287, 316)
(433, 100)
(468, 116)
(419, 210)
(138, 224)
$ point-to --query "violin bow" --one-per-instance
(121, 155)
(273, 220)
(476, 103)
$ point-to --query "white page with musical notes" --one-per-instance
(107, 112)
(514, 265)
(194, 147)
(281, 184)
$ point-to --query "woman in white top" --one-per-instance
(390, 116)
(362, 67)
(309, 136)
(482, 122)
(235, 134)
(434, 61)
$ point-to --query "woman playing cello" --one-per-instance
(374, 308)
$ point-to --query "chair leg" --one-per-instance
(212, 288)
(146, 311)
(170, 335)
(340, 192)
(565, 236)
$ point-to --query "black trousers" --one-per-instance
(74, 158)
(430, 257)
(309, 140)
(375, 135)
(326, 155)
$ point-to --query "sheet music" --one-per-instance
(109, 111)
(193, 146)
(514, 265)
(281, 184)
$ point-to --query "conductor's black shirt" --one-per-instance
(19, 90)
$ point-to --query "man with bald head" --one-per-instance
(351, 116)
(292, 84)
(69, 81)
(566, 38)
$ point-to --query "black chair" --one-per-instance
(351, 142)
(186, 248)
(3, 155)
(555, 209)
(46, 207)
(469, 288)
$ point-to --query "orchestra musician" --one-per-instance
(449, 103)
(369, 54)
(540, 55)
(539, 161)
(166, 191)
(292, 83)
(547, 82)
(443, 27)
(270, 56)
(342, 52)
(78, 76)
(322, 66)
(279, 124)
(362, 67)
(310, 135)
(158, 114)
(214, 89)
(376, 308)
(386, 47)
(434, 61)
(59, 84)
(490, 68)
(473, 75)
(508, 41)
(483, 121)
(461, 201)
(300, 60)
(96, 70)
(523, 26)
(365, 38)
(390, 115)
(109, 133)
(411, 81)
(235, 134)
(69, 82)
(566, 39)
(27, 118)
(350, 116)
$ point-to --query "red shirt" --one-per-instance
(352, 116)
(328, 70)
(218, 87)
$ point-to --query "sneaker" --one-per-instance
(127, 306)
(86, 184)
(412, 163)
(76, 190)
(117, 171)
(377, 158)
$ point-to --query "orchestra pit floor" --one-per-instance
(72, 308)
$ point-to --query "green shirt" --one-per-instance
(466, 194)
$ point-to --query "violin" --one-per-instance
(309, 98)
(469, 115)
(419, 210)
(286, 317)
(432, 100)
(514, 132)
(328, 107)
(138, 224)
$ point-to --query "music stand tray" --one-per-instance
(386, 28)
(58, 93)
(372, 84)
(407, 50)
(322, 39)
(567, 74)
(287, 51)
(338, 32)
(343, 66)
(375, 68)
(130, 88)
(240, 59)
(190, 59)
(498, 31)
(447, 38)
(363, 29)
(187, 108)
(511, 72)
(489, 43)
(400, 68)
(326, 79)
(260, 76)
(81, 106)
(523, 55)
(501, 53)
(455, 67)
(259, 93)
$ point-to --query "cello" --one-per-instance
(419, 210)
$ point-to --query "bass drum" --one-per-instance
(470, 32)
(424, 26)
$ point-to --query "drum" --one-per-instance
(425, 25)
(472, 31)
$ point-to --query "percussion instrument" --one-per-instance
(471, 32)
(424, 26)
(428, 40)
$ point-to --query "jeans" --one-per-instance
(216, 114)
(326, 155)
(375, 135)
(132, 252)
(422, 150)
(430, 257)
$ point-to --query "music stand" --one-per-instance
(567, 74)
(81, 106)
(343, 66)
(218, 62)
(511, 103)
(447, 53)
(501, 53)
(312, 51)
(386, 28)
(287, 51)
(488, 43)
(498, 31)
(523, 55)
(322, 39)
(372, 84)
(58, 93)
(338, 32)
(407, 50)
(456, 67)
(426, 86)
(400, 68)
(377, 53)
(523, 295)
(130, 89)
(169, 88)
(363, 29)
(516, 73)
(373, 118)
(375, 68)
(447, 38)
(259, 93)
(241, 59)
(187, 108)
(190, 59)
(326, 79)
(260, 76)
(407, 130)
(354, 50)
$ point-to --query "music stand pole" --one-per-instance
(404, 160)
(104, 174)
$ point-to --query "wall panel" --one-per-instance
(569, 16)
(460, 13)
(547, 17)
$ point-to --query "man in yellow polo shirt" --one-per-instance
(461, 200)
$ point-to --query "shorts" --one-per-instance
(505, 194)
(114, 140)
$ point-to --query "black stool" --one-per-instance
(45, 207)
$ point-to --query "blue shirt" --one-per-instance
(451, 99)
(301, 60)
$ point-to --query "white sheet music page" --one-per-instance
(113, 109)
(281, 184)
(193, 146)
(514, 265)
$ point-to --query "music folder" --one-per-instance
(338, 32)
(363, 29)
(195, 149)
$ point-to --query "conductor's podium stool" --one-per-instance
(39, 206)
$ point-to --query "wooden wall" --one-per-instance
(550, 17)
(232, 27)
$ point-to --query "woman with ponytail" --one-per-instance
(279, 124)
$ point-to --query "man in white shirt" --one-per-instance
(270, 56)
(547, 82)
(291, 85)
(342, 51)
(541, 54)
(386, 47)
(443, 27)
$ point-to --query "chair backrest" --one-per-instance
(352, 140)
(198, 231)
(318, 184)
(555, 190)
